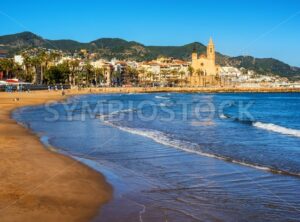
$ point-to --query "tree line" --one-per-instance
(43, 67)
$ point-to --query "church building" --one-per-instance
(205, 70)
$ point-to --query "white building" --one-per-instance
(229, 71)
(19, 59)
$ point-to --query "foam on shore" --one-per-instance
(168, 140)
(277, 129)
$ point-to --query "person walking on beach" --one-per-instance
(62, 91)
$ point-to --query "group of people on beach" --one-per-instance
(23, 88)
(17, 88)
(55, 88)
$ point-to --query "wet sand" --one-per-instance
(37, 184)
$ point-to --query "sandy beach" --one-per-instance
(40, 185)
(37, 184)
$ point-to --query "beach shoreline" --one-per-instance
(36, 183)
(195, 90)
(34, 186)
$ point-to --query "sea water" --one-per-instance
(183, 157)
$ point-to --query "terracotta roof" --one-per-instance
(153, 63)
(121, 63)
(164, 66)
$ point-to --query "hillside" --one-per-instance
(122, 49)
(266, 66)
(20, 41)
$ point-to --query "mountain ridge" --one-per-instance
(122, 49)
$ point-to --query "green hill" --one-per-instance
(265, 66)
(122, 49)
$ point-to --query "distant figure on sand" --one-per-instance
(62, 91)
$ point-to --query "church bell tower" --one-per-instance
(211, 50)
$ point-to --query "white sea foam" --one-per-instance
(163, 104)
(277, 129)
(122, 111)
(104, 116)
(45, 140)
(186, 146)
(222, 116)
(161, 97)
(158, 137)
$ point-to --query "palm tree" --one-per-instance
(36, 63)
(26, 62)
(46, 59)
(98, 75)
(116, 76)
(199, 72)
(43, 58)
(89, 72)
(19, 71)
(182, 73)
(74, 68)
(190, 70)
(7, 65)
(40, 61)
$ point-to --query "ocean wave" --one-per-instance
(277, 129)
(115, 113)
(163, 104)
(265, 126)
(123, 111)
(168, 140)
(236, 119)
(161, 97)
(223, 116)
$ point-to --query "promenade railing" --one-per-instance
(31, 87)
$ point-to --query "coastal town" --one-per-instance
(41, 66)
(150, 111)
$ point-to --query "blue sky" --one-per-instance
(262, 28)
